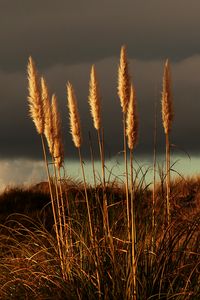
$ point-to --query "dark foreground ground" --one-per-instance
(168, 259)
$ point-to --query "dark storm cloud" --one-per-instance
(19, 138)
(147, 77)
(66, 37)
(69, 32)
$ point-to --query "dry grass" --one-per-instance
(105, 242)
(94, 99)
(124, 96)
(74, 118)
(34, 98)
(30, 265)
(132, 135)
(167, 116)
(167, 102)
(77, 139)
(48, 118)
(132, 120)
(123, 80)
(58, 152)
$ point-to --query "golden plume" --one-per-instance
(167, 107)
(58, 154)
(75, 127)
(34, 98)
(94, 99)
(132, 120)
(123, 80)
(48, 118)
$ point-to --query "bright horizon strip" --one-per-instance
(27, 172)
(182, 166)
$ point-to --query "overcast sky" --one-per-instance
(66, 37)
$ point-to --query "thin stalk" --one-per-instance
(53, 206)
(94, 174)
(154, 176)
(48, 174)
(102, 157)
(133, 231)
(61, 220)
(69, 222)
(105, 201)
(92, 160)
(66, 226)
(65, 236)
(86, 196)
(105, 204)
(90, 225)
(126, 174)
(58, 204)
(168, 179)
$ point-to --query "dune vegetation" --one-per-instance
(68, 239)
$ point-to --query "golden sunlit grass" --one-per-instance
(110, 241)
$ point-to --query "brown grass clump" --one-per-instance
(132, 120)
(94, 99)
(74, 116)
(34, 98)
(123, 80)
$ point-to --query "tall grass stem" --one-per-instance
(168, 179)
(126, 177)
(53, 206)
(86, 196)
(133, 231)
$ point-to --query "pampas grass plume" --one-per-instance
(123, 80)
(48, 118)
(132, 120)
(94, 99)
(58, 154)
(74, 116)
(34, 99)
(167, 108)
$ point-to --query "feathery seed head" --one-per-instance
(167, 101)
(48, 117)
(123, 80)
(94, 99)
(34, 98)
(44, 90)
(74, 118)
(55, 116)
(57, 153)
(132, 120)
